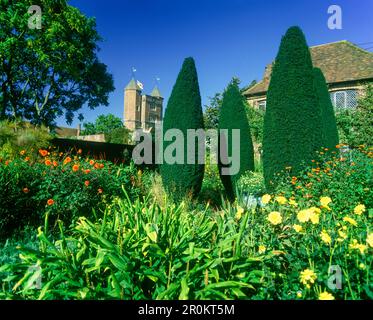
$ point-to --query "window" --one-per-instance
(262, 105)
(346, 99)
(138, 108)
(153, 106)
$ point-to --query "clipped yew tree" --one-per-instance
(183, 112)
(233, 116)
(292, 122)
(330, 136)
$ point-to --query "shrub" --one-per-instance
(233, 116)
(329, 126)
(184, 112)
(68, 186)
(292, 124)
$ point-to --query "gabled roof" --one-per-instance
(156, 92)
(132, 85)
(340, 61)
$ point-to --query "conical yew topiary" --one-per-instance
(330, 136)
(233, 116)
(183, 112)
(292, 123)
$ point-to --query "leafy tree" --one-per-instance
(184, 112)
(49, 72)
(211, 115)
(292, 122)
(233, 116)
(119, 135)
(256, 118)
(329, 126)
(103, 124)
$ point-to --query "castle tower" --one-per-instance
(141, 110)
(132, 105)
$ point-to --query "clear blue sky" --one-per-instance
(226, 38)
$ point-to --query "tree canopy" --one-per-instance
(53, 71)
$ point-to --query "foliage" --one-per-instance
(329, 126)
(103, 124)
(256, 118)
(211, 114)
(292, 124)
(233, 116)
(15, 137)
(67, 186)
(251, 183)
(355, 126)
(52, 71)
(282, 248)
(183, 112)
(119, 135)
(137, 250)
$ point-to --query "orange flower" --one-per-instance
(86, 183)
(79, 151)
(27, 158)
(22, 152)
(67, 160)
(75, 167)
(91, 162)
(55, 164)
(100, 190)
(43, 153)
(6, 162)
(50, 202)
(26, 190)
(87, 171)
(101, 165)
(48, 162)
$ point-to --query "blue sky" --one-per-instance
(226, 38)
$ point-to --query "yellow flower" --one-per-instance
(342, 235)
(315, 217)
(281, 199)
(326, 296)
(358, 246)
(299, 294)
(266, 199)
(370, 240)
(262, 249)
(304, 215)
(325, 237)
(293, 203)
(350, 220)
(308, 277)
(324, 201)
(239, 213)
(359, 209)
(275, 218)
(297, 228)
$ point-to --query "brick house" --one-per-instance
(347, 69)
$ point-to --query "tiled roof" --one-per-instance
(340, 61)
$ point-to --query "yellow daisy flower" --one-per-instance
(266, 199)
(275, 218)
(359, 209)
(262, 249)
(297, 228)
(281, 199)
(308, 277)
(304, 215)
(325, 237)
(326, 296)
(358, 246)
(324, 201)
